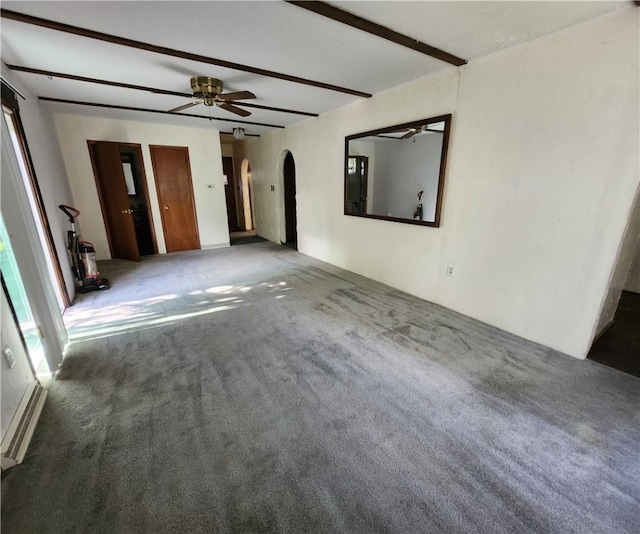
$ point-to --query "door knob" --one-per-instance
(166, 207)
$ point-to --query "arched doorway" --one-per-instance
(290, 216)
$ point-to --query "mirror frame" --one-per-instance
(443, 166)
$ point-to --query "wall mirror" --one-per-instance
(397, 173)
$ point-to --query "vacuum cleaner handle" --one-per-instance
(70, 212)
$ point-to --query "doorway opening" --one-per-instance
(246, 215)
(131, 158)
(357, 178)
(618, 345)
(15, 292)
(230, 193)
(122, 189)
(18, 139)
(290, 209)
(617, 340)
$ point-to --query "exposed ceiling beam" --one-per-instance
(96, 81)
(146, 110)
(269, 108)
(113, 39)
(339, 15)
(144, 88)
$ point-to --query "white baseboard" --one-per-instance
(219, 245)
(20, 431)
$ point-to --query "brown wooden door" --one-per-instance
(175, 194)
(114, 200)
(230, 189)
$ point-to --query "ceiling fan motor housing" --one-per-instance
(206, 88)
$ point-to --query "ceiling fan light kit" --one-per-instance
(206, 89)
(238, 133)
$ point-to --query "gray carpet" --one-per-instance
(247, 240)
(253, 389)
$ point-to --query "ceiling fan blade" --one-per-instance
(409, 134)
(234, 109)
(185, 106)
(238, 95)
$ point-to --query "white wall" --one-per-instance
(206, 168)
(267, 203)
(226, 149)
(542, 170)
(16, 380)
(49, 168)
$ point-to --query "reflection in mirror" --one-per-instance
(397, 173)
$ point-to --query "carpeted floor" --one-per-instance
(247, 240)
(253, 389)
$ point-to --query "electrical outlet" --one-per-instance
(273, 188)
(8, 355)
(451, 270)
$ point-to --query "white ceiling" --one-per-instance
(269, 35)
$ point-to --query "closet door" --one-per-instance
(175, 194)
(112, 188)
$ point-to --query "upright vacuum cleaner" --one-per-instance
(83, 257)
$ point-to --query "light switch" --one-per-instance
(8, 355)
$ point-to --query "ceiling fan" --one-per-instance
(208, 91)
(419, 130)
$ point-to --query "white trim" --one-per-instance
(23, 424)
(217, 245)
(29, 254)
